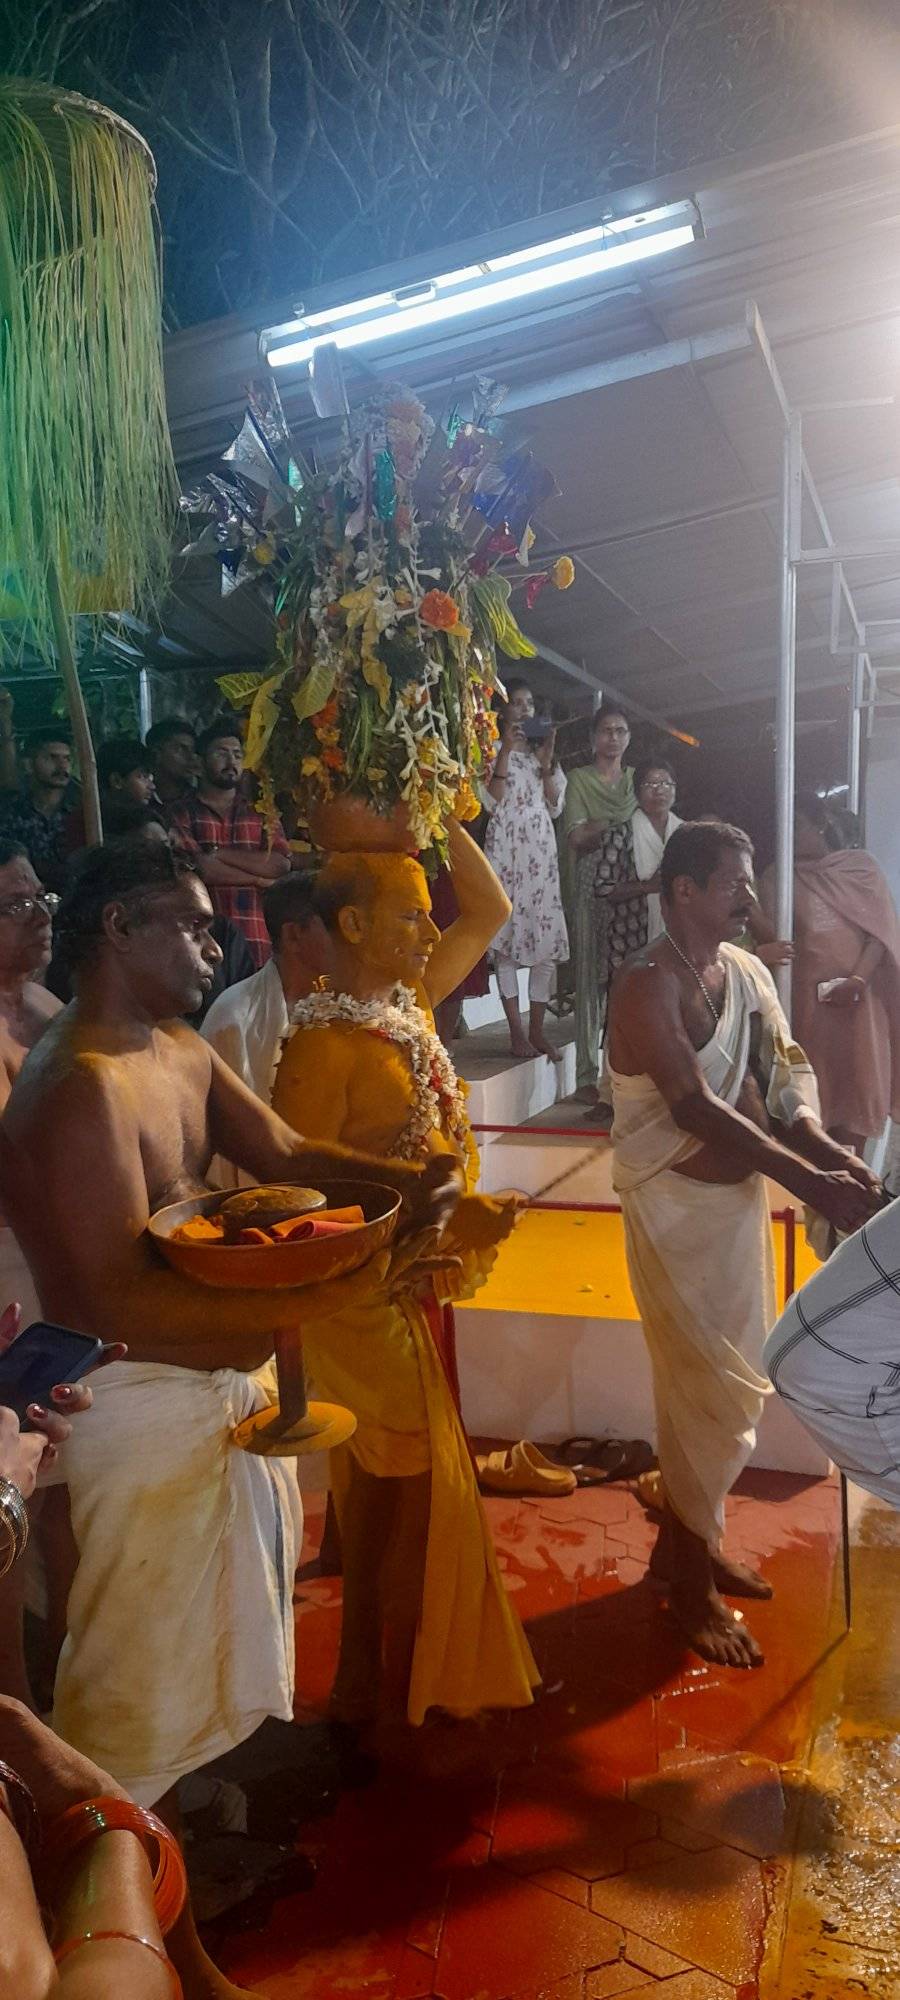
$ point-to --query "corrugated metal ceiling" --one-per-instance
(669, 481)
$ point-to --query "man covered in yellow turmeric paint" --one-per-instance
(426, 1621)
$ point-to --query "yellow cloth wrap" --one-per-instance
(470, 1652)
(338, 1082)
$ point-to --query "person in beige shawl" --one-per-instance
(846, 981)
(711, 1096)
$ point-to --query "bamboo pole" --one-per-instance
(78, 715)
(65, 650)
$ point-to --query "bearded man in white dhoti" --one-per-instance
(710, 1096)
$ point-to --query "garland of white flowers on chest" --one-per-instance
(439, 1098)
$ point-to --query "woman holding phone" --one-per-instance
(524, 796)
(28, 1458)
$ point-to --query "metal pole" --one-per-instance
(785, 705)
(855, 731)
(145, 701)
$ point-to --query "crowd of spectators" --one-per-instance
(181, 785)
(577, 844)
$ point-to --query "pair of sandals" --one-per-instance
(581, 1461)
(600, 1461)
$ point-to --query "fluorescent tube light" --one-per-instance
(479, 287)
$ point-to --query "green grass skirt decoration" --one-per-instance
(87, 479)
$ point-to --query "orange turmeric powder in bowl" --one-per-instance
(349, 1223)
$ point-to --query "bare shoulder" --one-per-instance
(644, 975)
(59, 1088)
(184, 1046)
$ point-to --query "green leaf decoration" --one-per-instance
(239, 689)
(313, 693)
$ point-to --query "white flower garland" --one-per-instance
(438, 1096)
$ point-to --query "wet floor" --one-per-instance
(653, 1827)
(842, 1928)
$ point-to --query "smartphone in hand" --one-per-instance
(39, 1358)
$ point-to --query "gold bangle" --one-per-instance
(14, 1518)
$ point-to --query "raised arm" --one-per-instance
(648, 1027)
(484, 908)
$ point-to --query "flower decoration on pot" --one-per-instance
(390, 611)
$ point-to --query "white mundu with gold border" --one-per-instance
(700, 1253)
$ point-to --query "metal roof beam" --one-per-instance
(685, 353)
(604, 687)
(760, 341)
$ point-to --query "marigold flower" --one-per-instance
(325, 718)
(563, 572)
(466, 806)
(439, 609)
(333, 760)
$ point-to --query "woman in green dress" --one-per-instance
(595, 854)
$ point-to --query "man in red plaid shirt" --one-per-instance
(235, 854)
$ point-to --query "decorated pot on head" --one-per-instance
(350, 824)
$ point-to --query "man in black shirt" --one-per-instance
(36, 816)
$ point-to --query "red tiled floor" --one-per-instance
(505, 1936)
(708, 1909)
(619, 1838)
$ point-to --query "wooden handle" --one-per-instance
(291, 1377)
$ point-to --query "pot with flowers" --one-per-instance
(391, 606)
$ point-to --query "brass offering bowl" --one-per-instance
(293, 1427)
(258, 1267)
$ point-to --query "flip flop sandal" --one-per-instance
(599, 1461)
(649, 1490)
(522, 1468)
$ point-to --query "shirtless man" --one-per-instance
(711, 1096)
(25, 1009)
(180, 1628)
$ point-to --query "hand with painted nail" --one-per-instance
(20, 1454)
(36, 1449)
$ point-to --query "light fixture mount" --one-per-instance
(539, 268)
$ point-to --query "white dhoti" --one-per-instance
(700, 1254)
(181, 1636)
(834, 1355)
(702, 1272)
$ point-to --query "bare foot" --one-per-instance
(717, 1634)
(733, 1579)
(521, 1051)
(544, 1048)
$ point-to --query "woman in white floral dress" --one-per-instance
(524, 796)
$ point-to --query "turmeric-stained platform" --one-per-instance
(633, 1834)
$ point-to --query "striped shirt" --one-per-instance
(204, 829)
